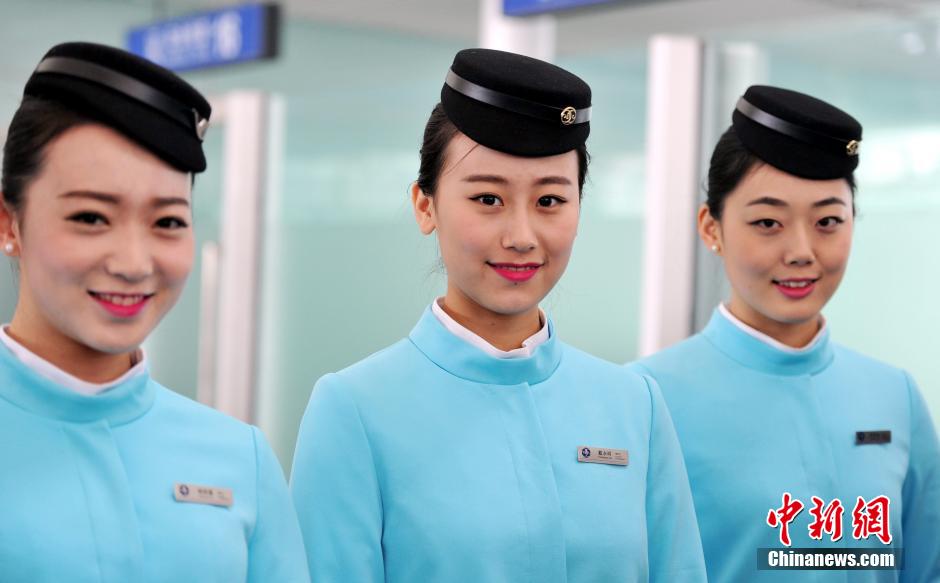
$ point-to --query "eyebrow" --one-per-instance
(159, 202)
(829, 201)
(771, 201)
(496, 179)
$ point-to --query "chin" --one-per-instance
(511, 306)
(798, 314)
(113, 342)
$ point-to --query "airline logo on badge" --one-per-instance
(196, 494)
(603, 455)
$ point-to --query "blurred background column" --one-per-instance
(529, 35)
(674, 102)
(729, 68)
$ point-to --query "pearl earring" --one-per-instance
(8, 248)
(715, 248)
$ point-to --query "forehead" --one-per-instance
(464, 157)
(96, 158)
(765, 180)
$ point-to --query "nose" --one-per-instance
(518, 234)
(799, 250)
(132, 259)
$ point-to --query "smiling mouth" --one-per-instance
(516, 272)
(796, 288)
(118, 299)
(121, 305)
(795, 283)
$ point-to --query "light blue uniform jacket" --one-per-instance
(431, 461)
(755, 422)
(87, 488)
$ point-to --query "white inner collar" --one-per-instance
(769, 340)
(55, 374)
(528, 345)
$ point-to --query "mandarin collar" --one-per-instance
(462, 359)
(25, 388)
(750, 351)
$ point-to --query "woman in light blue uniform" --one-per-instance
(480, 447)
(765, 404)
(106, 476)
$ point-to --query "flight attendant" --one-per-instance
(107, 476)
(481, 447)
(791, 440)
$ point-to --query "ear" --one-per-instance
(9, 230)
(709, 229)
(423, 209)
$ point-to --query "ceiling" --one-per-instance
(632, 21)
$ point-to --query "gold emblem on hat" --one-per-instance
(568, 115)
(202, 125)
(852, 148)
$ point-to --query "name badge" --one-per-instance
(196, 494)
(602, 455)
(872, 437)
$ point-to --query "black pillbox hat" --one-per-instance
(142, 100)
(516, 104)
(797, 133)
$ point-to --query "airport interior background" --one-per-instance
(343, 268)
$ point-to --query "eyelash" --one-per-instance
(180, 223)
(837, 221)
(83, 218)
(557, 200)
(760, 223)
(93, 219)
(479, 198)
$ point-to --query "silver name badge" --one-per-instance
(196, 494)
(603, 455)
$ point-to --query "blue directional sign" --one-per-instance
(527, 7)
(247, 32)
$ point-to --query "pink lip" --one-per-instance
(516, 272)
(796, 292)
(121, 311)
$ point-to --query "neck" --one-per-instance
(504, 331)
(794, 335)
(75, 358)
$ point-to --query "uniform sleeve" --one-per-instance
(336, 491)
(276, 549)
(675, 546)
(920, 520)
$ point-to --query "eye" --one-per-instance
(88, 218)
(172, 223)
(550, 200)
(488, 199)
(766, 224)
(829, 223)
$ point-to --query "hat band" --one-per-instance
(770, 121)
(185, 116)
(561, 115)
